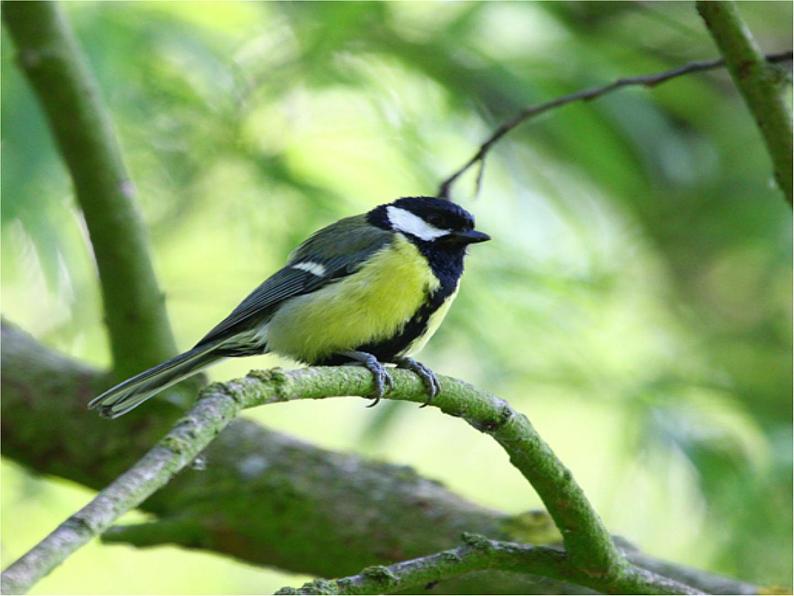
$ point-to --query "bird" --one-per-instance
(370, 289)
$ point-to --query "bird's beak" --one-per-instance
(469, 237)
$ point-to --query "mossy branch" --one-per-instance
(480, 553)
(342, 512)
(589, 548)
(758, 82)
(48, 54)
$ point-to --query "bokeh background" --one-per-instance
(635, 302)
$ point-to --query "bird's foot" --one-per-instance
(428, 377)
(380, 376)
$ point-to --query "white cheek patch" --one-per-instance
(405, 221)
(311, 267)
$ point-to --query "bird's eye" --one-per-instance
(435, 220)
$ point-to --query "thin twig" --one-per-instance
(480, 553)
(650, 80)
(756, 81)
(589, 546)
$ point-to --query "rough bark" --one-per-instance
(263, 497)
(480, 553)
(591, 558)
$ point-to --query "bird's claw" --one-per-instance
(381, 379)
(428, 377)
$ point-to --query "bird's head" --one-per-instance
(428, 220)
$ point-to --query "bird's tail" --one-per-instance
(131, 393)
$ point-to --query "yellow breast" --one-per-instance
(370, 305)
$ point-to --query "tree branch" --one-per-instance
(139, 331)
(589, 547)
(758, 83)
(480, 553)
(177, 449)
(649, 80)
(276, 501)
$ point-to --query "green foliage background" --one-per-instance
(635, 301)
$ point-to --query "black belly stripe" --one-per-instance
(414, 329)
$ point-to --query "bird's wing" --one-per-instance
(328, 255)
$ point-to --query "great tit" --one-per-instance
(370, 289)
